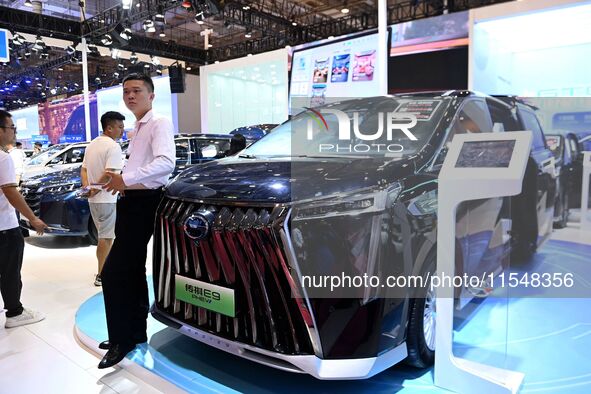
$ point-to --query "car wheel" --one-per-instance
(92, 232)
(420, 337)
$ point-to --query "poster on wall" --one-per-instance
(334, 69)
(63, 121)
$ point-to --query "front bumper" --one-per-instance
(339, 369)
(64, 213)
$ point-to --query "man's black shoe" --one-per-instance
(115, 354)
(105, 345)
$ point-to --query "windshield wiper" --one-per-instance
(247, 156)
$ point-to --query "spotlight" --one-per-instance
(44, 54)
(97, 80)
(246, 7)
(126, 4)
(120, 67)
(146, 65)
(39, 44)
(107, 39)
(344, 10)
(159, 70)
(148, 25)
(28, 3)
(53, 91)
(124, 31)
(162, 33)
(188, 68)
(116, 75)
(248, 34)
(187, 4)
(199, 18)
(154, 59)
(159, 17)
(294, 23)
(133, 58)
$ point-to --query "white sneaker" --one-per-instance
(27, 317)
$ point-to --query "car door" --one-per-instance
(574, 174)
(546, 179)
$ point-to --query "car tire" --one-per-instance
(420, 337)
(92, 232)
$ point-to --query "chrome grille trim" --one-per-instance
(245, 251)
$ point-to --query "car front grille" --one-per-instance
(245, 251)
(32, 197)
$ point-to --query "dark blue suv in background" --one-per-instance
(54, 196)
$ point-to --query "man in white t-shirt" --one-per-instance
(103, 154)
(18, 157)
(12, 243)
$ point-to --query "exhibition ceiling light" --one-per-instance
(107, 39)
(126, 4)
(199, 18)
(162, 33)
(133, 58)
(148, 26)
(344, 10)
(126, 34)
(28, 3)
(159, 17)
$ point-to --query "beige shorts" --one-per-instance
(103, 216)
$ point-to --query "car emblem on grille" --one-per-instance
(198, 225)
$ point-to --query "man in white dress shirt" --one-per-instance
(18, 157)
(151, 161)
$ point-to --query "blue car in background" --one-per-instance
(54, 195)
(254, 132)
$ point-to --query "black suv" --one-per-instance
(252, 226)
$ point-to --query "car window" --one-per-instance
(503, 118)
(182, 151)
(530, 121)
(574, 147)
(567, 151)
(473, 117)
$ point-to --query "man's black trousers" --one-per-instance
(124, 275)
(12, 245)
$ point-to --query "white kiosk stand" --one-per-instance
(477, 166)
(585, 211)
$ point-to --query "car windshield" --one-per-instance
(326, 131)
(45, 155)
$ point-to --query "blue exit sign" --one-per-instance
(4, 46)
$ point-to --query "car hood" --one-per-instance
(284, 180)
(55, 176)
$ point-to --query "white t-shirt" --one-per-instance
(7, 178)
(102, 153)
(18, 157)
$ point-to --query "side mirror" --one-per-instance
(57, 160)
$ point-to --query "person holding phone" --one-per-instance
(12, 243)
(103, 154)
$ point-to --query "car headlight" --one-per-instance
(355, 203)
(62, 188)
